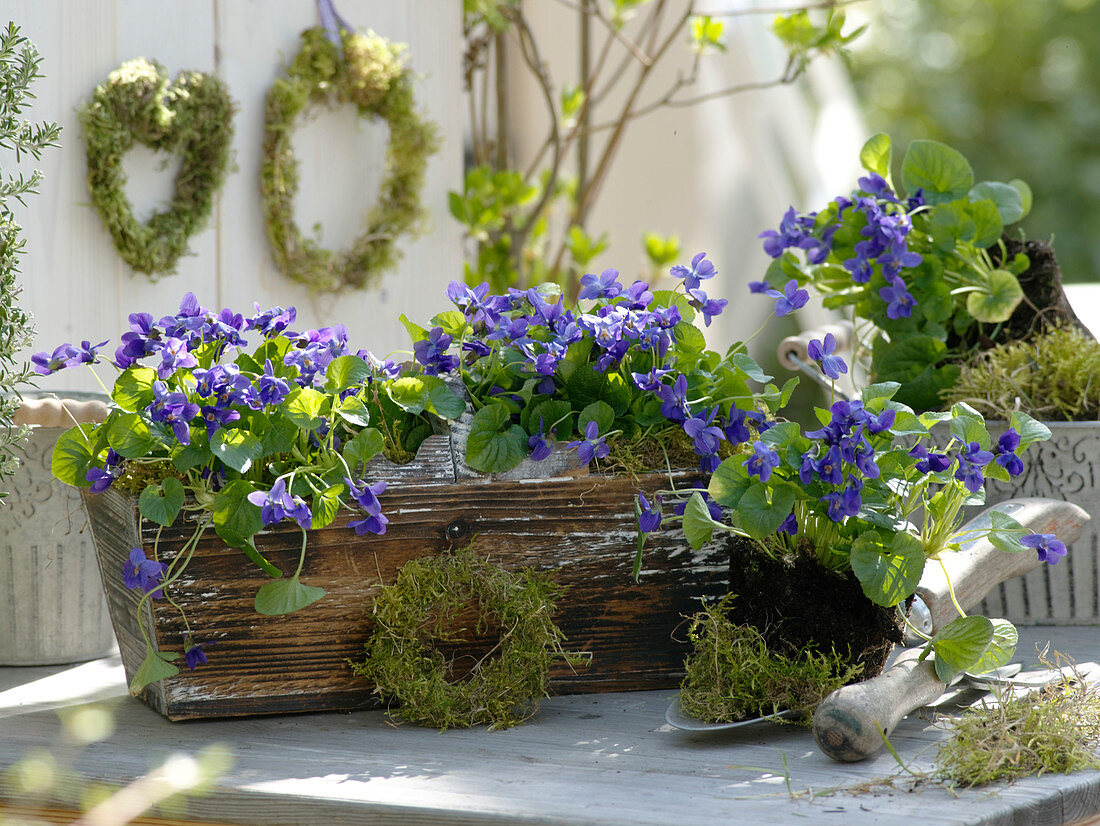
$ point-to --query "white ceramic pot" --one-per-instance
(52, 607)
(1066, 467)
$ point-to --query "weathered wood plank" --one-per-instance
(604, 760)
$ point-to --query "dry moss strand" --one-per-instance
(192, 118)
(732, 675)
(1055, 375)
(365, 71)
(505, 686)
(1052, 731)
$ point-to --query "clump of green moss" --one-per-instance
(505, 685)
(666, 448)
(1054, 375)
(732, 675)
(1053, 730)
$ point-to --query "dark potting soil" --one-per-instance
(793, 601)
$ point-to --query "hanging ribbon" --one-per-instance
(331, 21)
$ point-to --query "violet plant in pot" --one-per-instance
(832, 530)
(950, 304)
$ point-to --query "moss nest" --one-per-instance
(1054, 375)
(505, 684)
(732, 674)
(192, 118)
(365, 71)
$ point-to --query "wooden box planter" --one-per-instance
(581, 528)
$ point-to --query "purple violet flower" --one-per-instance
(701, 269)
(277, 504)
(174, 409)
(604, 285)
(592, 446)
(366, 497)
(762, 461)
(1005, 452)
(1049, 547)
(822, 351)
(649, 516)
(791, 299)
(193, 654)
(540, 446)
(790, 525)
(144, 574)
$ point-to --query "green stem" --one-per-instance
(302, 556)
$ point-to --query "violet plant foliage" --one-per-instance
(922, 267)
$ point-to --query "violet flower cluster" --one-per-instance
(884, 225)
(626, 331)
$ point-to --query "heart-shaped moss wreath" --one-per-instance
(365, 70)
(501, 690)
(193, 118)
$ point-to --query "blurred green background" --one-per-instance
(1013, 84)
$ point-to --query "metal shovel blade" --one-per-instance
(676, 718)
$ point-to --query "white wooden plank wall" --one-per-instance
(74, 281)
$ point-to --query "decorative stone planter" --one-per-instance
(1066, 467)
(52, 608)
(581, 528)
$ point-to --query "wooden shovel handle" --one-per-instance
(980, 566)
(850, 723)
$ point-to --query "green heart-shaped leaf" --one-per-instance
(494, 445)
(941, 172)
(133, 389)
(129, 435)
(997, 300)
(876, 154)
(888, 574)
(698, 523)
(354, 411)
(235, 518)
(161, 503)
(365, 445)
(155, 666)
(759, 514)
(960, 644)
(73, 455)
(1000, 648)
(344, 372)
(238, 449)
(304, 406)
(284, 596)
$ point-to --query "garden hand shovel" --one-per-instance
(852, 723)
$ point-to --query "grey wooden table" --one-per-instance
(589, 759)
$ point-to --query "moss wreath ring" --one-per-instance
(366, 71)
(193, 118)
(505, 687)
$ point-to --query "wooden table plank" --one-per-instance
(591, 759)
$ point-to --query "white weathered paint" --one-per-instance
(74, 281)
